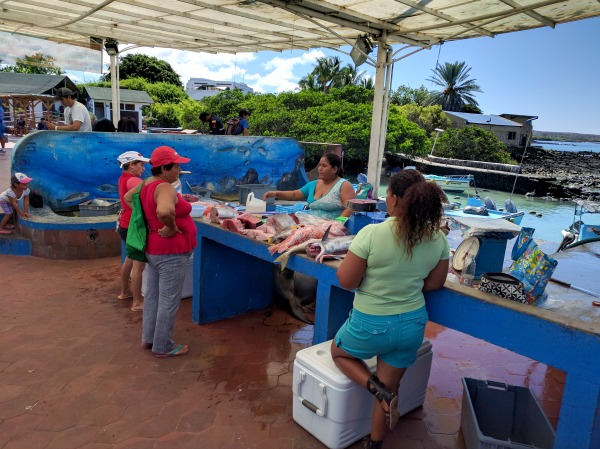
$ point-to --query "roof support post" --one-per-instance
(380, 113)
(114, 85)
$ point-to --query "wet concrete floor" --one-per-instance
(73, 375)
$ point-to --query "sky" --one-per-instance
(550, 73)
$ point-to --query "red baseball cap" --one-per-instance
(166, 155)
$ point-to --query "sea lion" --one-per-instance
(293, 290)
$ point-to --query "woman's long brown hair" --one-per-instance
(420, 209)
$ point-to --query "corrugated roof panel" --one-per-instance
(483, 119)
(32, 84)
(246, 25)
(126, 95)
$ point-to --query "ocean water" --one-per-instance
(555, 215)
(568, 146)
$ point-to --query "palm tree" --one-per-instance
(458, 88)
(309, 82)
(367, 82)
(328, 72)
(350, 76)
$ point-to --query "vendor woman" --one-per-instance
(327, 196)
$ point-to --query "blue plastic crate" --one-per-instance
(280, 209)
(359, 220)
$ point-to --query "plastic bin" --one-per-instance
(359, 220)
(499, 416)
(89, 209)
(258, 189)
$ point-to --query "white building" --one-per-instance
(198, 88)
(99, 100)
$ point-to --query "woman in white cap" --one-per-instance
(132, 164)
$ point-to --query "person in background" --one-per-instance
(21, 126)
(9, 202)
(41, 126)
(93, 119)
(243, 127)
(3, 138)
(390, 265)
(105, 125)
(77, 117)
(215, 124)
(127, 125)
(327, 196)
(132, 164)
(171, 240)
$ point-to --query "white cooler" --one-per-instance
(187, 291)
(336, 410)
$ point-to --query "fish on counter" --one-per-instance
(221, 213)
(233, 225)
(300, 248)
(257, 234)
(329, 248)
(281, 222)
(250, 221)
(298, 236)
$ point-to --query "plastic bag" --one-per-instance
(531, 265)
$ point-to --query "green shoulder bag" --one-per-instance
(137, 233)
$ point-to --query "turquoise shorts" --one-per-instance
(395, 339)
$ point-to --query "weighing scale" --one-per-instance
(485, 240)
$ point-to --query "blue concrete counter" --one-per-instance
(233, 274)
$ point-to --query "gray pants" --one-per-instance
(166, 273)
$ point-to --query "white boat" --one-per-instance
(579, 233)
(476, 208)
(452, 183)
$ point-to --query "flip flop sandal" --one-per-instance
(5, 232)
(138, 308)
(179, 350)
(377, 388)
(9, 226)
(124, 297)
(146, 345)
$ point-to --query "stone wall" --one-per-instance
(72, 244)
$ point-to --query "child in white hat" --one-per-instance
(9, 202)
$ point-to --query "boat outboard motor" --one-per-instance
(489, 203)
(510, 207)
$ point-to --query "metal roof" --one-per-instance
(30, 84)
(126, 95)
(254, 25)
(483, 119)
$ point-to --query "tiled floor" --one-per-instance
(72, 374)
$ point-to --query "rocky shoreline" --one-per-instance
(568, 175)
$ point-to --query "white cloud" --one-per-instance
(281, 77)
(188, 64)
(275, 75)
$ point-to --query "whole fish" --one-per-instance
(281, 222)
(298, 236)
(300, 248)
(281, 236)
(222, 212)
(329, 248)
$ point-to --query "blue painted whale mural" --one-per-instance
(71, 167)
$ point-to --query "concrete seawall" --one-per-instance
(488, 179)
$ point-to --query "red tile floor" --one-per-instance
(72, 374)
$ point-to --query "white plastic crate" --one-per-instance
(336, 410)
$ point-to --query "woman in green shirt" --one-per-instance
(390, 265)
(327, 196)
